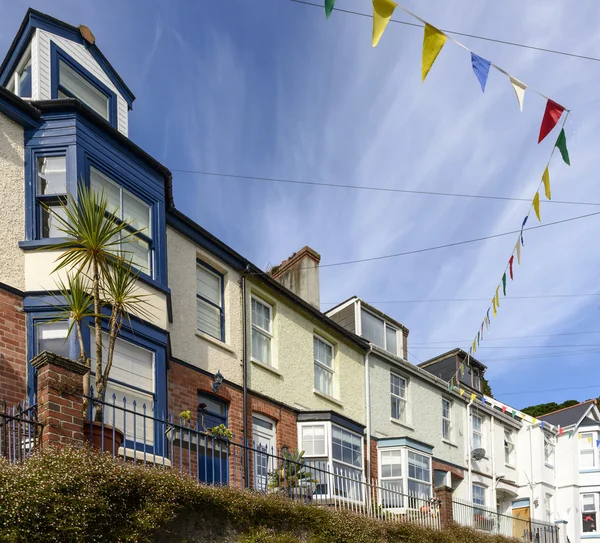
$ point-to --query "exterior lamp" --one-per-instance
(217, 381)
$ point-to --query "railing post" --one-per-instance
(60, 399)
(444, 495)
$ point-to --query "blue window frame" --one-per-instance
(210, 301)
(71, 80)
(213, 460)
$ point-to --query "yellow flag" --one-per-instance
(382, 12)
(518, 248)
(494, 306)
(462, 391)
(474, 345)
(497, 297)
(433, 41)
(536, 205)
(473, 396)
(546, 180)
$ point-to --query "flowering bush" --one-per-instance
(78, 495)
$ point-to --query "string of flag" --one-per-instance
(433, 43)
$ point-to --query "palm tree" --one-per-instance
(101, 283)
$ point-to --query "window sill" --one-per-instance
(593, 470)
(591, 535)
(215, 341)
(511, 466)
(450, 443)
(403, 424)
(327, 397)
(266, 367)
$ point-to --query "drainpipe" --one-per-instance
(368, 413)
(493, 453)
(469, 458)
(532, 481)
(245, 372)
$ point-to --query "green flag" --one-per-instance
(561, 143)
(504, 283)
(329, 7)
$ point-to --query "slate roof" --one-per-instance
(588, 421)
(568, 415)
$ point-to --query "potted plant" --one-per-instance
(99, 290)
(291, 476)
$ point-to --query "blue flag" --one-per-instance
(523, 226)
(481, 67)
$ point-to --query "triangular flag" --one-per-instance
(478, 336)
(481, 67)
(462, 369)
(570, 434)
(329, 7)
(473, 396)
(510, 263)
(598, 443)
(523, 226)
(503, 409)
(534, 420)
(589, 439)
(513, 413)
(474, 346)
(494, 306)
(522, 416)
(450, 386)
(504, 283)
(382, 12)
(433, 41)
(462, 391)
(578, 436)
(519, 90)
(543, 424)
(483, 400)
(487, 321)
(551, 116)
(546, 180)
(536, 205)
(518, 248)
(497, 296)
(561, 143)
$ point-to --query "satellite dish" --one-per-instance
(477, 454)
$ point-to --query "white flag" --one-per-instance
(519, 90)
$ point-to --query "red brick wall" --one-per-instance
(456, 472)
(374, 466)
(13, 348)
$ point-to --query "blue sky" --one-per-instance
(270, 88)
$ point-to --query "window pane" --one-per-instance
(136, 250)
(390, 340)
(397, 386)
(136, 213)
(208, 285)
(52, 337)
(346, 447)
(141, 399)
(82, 89)
(323, 380)
(418, 467)
(50, 225)
(52, 175)
(212, 406)
(261, 315)
(112, 192)
(261, 347)
(25, 79)
(323, 352)
(391, 464)
(419, 489)
(372, 328)
(208, 319)
(313, 440)
(478, 495)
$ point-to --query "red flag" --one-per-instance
(551, 116)
(560, 431)
(503, 409)
(510, 263)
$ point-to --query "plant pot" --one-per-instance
(101, 437)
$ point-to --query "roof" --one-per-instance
(589, 421)
(182, 223)
(568, 416)
(449, 354)
(37, 19)
(371, 308)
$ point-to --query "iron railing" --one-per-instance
(173, 443)
(20, 430)
(488, 520)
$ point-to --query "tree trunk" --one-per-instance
(86, 362)
(98, 331)
(112, 338)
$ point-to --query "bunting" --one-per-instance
(514, 413)
(497, 296)
(504, 284)
(560, 430)
(522, 227)
(329, 7)
(494, 307)
(543, 424)
(481, 68)
(519, 89)
(550, 119)
(473, 396)
(382, 12)
(462, 391)
(503, 409)
(570, 434)
(510, 265)
(518, 250)
(546, 181)
(482, 400)
(433, 41)
(536, 205)
(561, 143)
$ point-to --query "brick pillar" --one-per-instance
(60, 399)
(444, 494)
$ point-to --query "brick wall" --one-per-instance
(374, 473)
(13, 348)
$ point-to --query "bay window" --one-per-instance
(135, 243)
(324, 369)
(404, 472)
(391, 480)
(50, 193)
(589, 512)
(419, 475)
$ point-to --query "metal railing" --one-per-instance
(20, 430)
(488, 520)
(173, 443)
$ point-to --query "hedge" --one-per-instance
(78, 495)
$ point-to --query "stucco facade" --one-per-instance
(12, 196)
(187, 343)
(290, 378)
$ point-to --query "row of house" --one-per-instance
(335, 385)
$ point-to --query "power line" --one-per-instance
(597, 345)
(457, 243)
(546, 390)
(375, 189)
(439, 300)
(484, 38)
(544, 355)
(507, 337)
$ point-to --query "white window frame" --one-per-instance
(509, 447)
(479, 433)
(259, 330)
(330, 370)
(429, 483)
(549, 452)
(403, 402)
(206, 268)
(326, 438)
(485, 492)
(447, 420)
(398, 497)
(592, 450)
(596, 508)
(386, 324)
(477, 380)
(261, 481)
(14, 81)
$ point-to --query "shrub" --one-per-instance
(77, 495)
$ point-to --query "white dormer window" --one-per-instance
(20, 81)
(72, 85)
(379, 332)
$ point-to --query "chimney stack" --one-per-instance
(300, 274)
